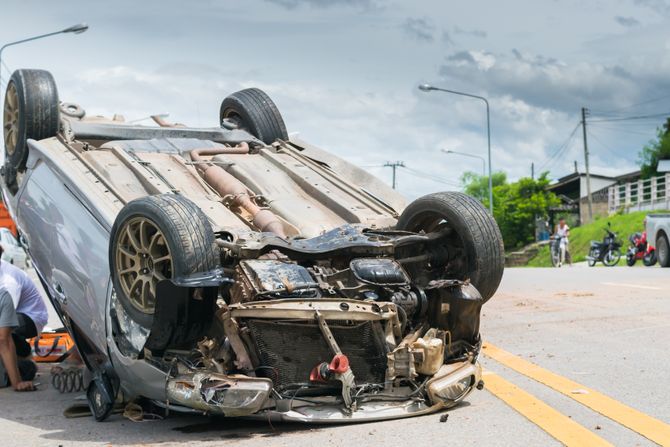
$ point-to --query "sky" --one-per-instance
(344, 74)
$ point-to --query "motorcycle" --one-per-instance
(608, 251)
(640, 249)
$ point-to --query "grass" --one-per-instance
(580, 237)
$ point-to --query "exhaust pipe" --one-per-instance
(227, 185)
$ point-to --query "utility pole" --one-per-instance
(585, 112)
(532, 171)
(576, 169)
(394, 166)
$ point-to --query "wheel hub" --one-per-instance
(11, 119)
(143, 259)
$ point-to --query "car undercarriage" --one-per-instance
(246, 272)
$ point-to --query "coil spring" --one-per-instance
(70, 380)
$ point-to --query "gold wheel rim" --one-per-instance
(142, 260)
(11, 118)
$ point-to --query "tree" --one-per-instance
(515, 205)
(655, 151)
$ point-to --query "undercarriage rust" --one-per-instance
(231, 188)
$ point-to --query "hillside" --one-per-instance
(580, 237)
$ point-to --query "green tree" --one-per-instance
(515, 205)
(654, 151)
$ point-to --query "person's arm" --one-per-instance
(8, 356)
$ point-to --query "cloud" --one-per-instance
(420, 29)
(470, 32)
(627, 22)
(293, 4)
(545, 81)
(661, 7)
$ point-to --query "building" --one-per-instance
(572, 191)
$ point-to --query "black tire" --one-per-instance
(593, 255)
(650, 259)
(612, 257)
(37, 113)
(185, 230)
(630, 260)
(477, 236)
(252, 110)
(663, 250)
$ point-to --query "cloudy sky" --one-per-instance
(344, 73)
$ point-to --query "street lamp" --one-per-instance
(74, 29)
(449, 151)
(428, 88)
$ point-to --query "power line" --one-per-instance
(649, 101)
(434, 178)
(394, 166)
(559, 151)
(632, 118)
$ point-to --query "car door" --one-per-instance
(69, 248)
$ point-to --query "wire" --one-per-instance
(609, 112)
(432, 177)
(619, 129)
(558, 153)
(631, 118)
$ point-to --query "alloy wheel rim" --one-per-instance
(11, 118)
(142, 260)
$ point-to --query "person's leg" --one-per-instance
(562, 260)
(26, 329)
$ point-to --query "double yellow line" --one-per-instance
(556, 424)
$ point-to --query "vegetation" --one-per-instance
(515, 205)
(580, 238)
(655, 151)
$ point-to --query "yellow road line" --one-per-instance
(649, 427)
(561, 427)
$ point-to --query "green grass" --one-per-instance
(580, 237)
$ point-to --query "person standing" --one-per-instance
(23, 315)
(563, 232)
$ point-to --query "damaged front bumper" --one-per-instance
(214, 393)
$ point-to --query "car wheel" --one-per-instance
(663, 250)
(475, 245)
(252, 109)
(155, 238)
(30, 112)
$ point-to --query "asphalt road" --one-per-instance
(605, 329)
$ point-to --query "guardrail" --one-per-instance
(650, 194)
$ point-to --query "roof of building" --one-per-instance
(663, 166)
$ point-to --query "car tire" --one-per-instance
(663, 250)
(31, 111)
(154, 238)
(476, 238)
(252, 109)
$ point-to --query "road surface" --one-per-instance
(598, 334)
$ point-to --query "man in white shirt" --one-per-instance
(563, 231)
(24, 316)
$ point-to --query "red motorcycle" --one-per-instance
(640, 249)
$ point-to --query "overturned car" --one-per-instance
(238, 271)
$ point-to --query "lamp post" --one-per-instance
(465, 154)
(75, 29)
(429, 88)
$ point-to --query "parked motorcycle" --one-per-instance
(608, 251)
(640, 249)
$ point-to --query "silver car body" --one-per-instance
(70, 195)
